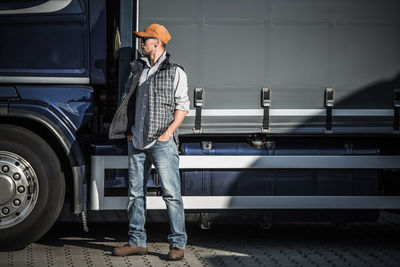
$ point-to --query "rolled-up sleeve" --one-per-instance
(181, 92)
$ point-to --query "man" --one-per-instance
(154, 105)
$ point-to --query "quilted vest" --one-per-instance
(161, 101)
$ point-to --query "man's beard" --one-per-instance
(144, 52)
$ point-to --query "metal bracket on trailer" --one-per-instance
(396, 116)
(198, 103)
(205, 221)
(329, 100)
(206, 147)
(266, 103)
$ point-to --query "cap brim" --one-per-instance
(141, 34)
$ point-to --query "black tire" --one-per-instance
(50, 181)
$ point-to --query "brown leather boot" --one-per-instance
(129, 250)
(175, 254)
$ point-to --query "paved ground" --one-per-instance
(290, 244)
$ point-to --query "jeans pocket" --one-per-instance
(163, 142)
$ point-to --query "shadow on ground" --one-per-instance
(240, 241)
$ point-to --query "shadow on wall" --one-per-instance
(322, 182)
(376, 95)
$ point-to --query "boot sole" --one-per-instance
(175, 259)
(130, 254)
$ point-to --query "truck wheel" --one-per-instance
(32, 187)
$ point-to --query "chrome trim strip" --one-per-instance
(291, 112)
(137, 53)
(97, 182)
(57, 80)
(268, 162)
(265, 202)
(137, 23)
(290, 162)
(48, 7)
(78, 175)
(99, 163)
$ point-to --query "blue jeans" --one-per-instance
(164, 156)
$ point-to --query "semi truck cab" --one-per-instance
(294, 115)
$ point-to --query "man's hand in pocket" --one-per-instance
(165, 137)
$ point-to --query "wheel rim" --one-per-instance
(19, 189)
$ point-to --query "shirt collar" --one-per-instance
(158, 63)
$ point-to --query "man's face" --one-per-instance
(148, 45)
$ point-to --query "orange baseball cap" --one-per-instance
(157, 31)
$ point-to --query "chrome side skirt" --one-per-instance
(99, 163)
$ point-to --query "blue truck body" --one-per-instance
(49, 64)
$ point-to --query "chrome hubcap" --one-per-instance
(7, 189)
(19, 189)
